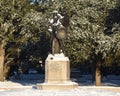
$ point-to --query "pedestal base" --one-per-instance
(62, 86)
(57, 74)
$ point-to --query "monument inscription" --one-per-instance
(54, 67)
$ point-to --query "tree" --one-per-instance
(86, 30)
(11, 29)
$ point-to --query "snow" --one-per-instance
(26, 86)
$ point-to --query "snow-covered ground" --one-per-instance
(26, 86)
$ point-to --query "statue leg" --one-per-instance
(55, 46)
(62, 46)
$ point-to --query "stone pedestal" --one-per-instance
(57, 74)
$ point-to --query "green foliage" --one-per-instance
(10, 24)
(86, 39)
(13, 28)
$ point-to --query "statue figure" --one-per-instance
(58, 33)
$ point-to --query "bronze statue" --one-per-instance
(58, 33)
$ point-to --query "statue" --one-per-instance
(58, 33)
(57, 66)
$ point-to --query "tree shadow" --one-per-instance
(28, 79)
(86, 80)
(82, 80)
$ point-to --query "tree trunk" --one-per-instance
(1, 63)
(98, 74)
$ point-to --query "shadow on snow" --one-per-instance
(82, 80)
